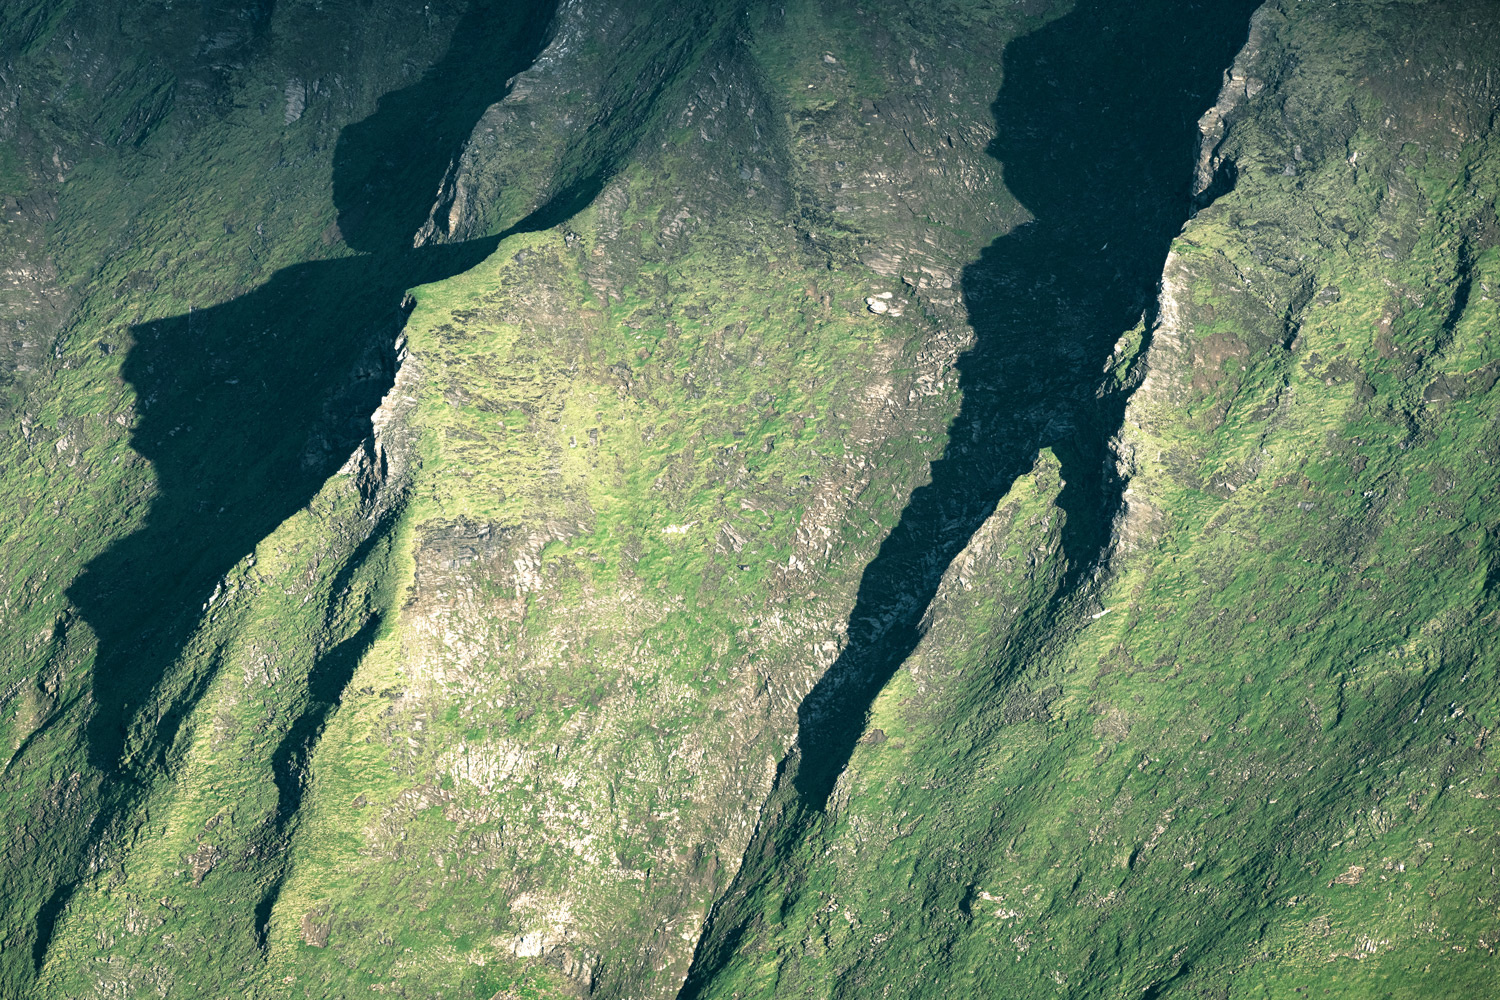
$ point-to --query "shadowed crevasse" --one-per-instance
(247, 408)
(291, 761)
(1096, 126)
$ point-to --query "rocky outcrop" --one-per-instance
(818, 523)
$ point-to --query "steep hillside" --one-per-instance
(618, 500)
(1247, 753)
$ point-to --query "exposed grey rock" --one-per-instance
(296, 100)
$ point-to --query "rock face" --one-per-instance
(708, 500)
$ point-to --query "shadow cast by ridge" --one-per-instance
(1096, 126)
(1096, 129)
(248, 407)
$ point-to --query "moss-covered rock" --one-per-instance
(515, 501)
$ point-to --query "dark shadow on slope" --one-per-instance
(1096, 126)
(387, 169)
(247, 408)
(292, 759)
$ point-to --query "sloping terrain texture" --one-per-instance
(643, 500)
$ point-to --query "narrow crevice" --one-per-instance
(327, 681)
(63, 891)
(264, 908)
(330, 674)
(292, 760)
(1096, 126)
(1461, 293)
(47, 916)
(1098, 142)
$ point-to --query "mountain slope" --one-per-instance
(629, 500)
(1254, 758)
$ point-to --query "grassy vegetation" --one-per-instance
(1256, 761)
(502, 706)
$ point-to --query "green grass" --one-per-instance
(1267, 768)
(506, 723)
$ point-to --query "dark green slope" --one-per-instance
(1096, 126)
(954, 499)
(1252, 758)
(245, 407)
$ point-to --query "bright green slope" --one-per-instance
(507, 704)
